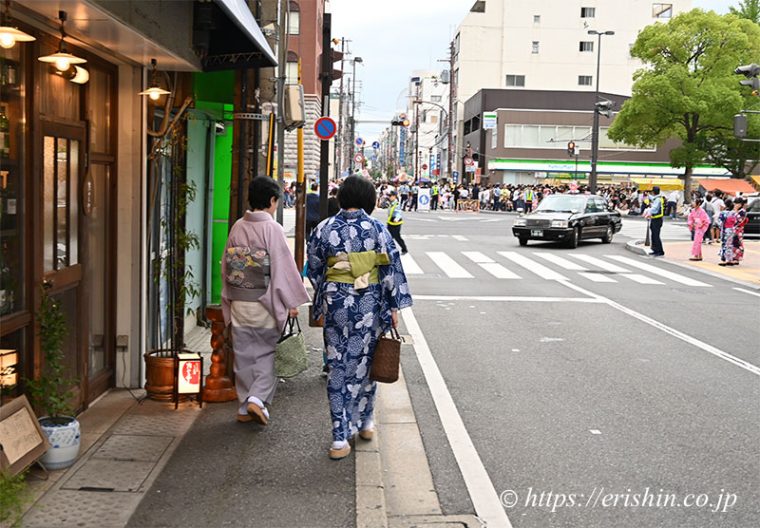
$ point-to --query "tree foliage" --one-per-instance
(749, 9)
(687, 87)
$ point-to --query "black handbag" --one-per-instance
(385, 363)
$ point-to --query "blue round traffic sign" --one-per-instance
(359, 142)
(424, 199)
(325, 128)
(376, 145)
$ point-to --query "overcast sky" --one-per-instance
(396, 37)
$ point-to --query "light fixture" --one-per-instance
(9, 34)
(81, 76)
(154, 91)
(62, 59)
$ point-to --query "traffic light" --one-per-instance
(740, 126)
(605, 108)
(751, 72)
(401, 120)
(571, 148)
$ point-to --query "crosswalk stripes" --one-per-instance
(601, 264)
(410, 265)
(676, 277)
(561, 261)
(609, 269)
(448, 265)
(487, 263)
(532, 266)
(596, 277)
(461, 238)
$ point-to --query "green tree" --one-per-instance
(749, 9)
(687, 87)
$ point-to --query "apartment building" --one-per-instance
(545, 45)
(427, 109)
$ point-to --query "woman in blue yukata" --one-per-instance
(359, 287)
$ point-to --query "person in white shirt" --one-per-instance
(671, 207)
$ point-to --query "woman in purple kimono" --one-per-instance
(359, 287)
(261, 287)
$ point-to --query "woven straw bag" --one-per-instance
(387, 357)
(290, 357)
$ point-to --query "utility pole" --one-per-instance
(417, 132)
(339, 150)
(452, 109)
(300, 194)
(592, 180)
(353, 113)
(281, 74)
(324, 148)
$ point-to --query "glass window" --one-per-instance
(536, 19)
(588, 12)
(516, 80)
(435, 98)
(61, 204)
(12, 183)
(586, 45)
(585, 80)
(479, 7)
(291, 72)
(662, 10)
(294, 19)
(535, 46)
(99, 110)
(547, 134)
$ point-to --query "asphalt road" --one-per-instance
(580, 374)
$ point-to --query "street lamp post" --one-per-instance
(353, 112)
(595, 131)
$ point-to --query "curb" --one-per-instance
(370, 490)
(638, 247)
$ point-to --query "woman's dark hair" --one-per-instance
(357, 192)
(261, 191)
(697, 201)
(729, 203)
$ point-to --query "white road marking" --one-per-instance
(560, 261)
(449, 265)
(597, 277)
(461, 238)
(595, 431)
(747, 291)
(486, 501)
(506, 298)
(642, 279)
(487, 263)
(477, 257)
(410, 266)
(533, 266)
(669, 330)
(676, 277)
(599, 263)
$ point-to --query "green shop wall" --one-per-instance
(214, 93)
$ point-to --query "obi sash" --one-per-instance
(359, 269)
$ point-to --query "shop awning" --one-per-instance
(730, 186)
(756, 181)
(230, 36)
(665, 184)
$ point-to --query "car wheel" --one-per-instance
(523, 241)
(607, 238)
(575, 238)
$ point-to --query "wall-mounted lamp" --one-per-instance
(154, 91)
(9, 34)
(62, 59)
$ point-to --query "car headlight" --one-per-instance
(560, 223)
(520, 222)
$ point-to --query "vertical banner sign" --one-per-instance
(423, 200)
(402, 146)
(489, 120)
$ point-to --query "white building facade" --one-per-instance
(427, 110)
(545, 45)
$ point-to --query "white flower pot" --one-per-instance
(64, 441)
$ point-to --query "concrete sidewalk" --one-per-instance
(748, 272)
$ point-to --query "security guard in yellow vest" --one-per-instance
(434, 192)
(395, 221)
(656, 212)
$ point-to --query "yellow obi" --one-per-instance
(359, 269)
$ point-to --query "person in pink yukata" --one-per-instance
(698, 223)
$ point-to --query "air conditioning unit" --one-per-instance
(294, 107)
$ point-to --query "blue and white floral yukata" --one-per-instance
(355, 314)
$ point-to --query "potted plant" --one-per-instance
(170, 243)
(53, 392)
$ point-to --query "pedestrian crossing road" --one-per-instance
(513, 265)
